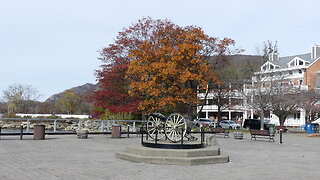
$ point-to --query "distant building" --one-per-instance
(300, 71)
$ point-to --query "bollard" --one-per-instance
(280, 136)
(21, 131)
(202, 136)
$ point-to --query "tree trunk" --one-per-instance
(261, 120)
(219, 114)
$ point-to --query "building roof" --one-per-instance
(283, 61)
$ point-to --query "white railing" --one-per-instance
(104, 124)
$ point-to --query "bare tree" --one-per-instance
(276, 96)
(310, 103)
(269, 47)
(19, 98)
(284, 101)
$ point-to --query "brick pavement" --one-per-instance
(66, 157)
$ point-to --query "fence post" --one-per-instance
(128, 130)
(79, 124)
(21, 131)
(102, 126)
(141, 132)
(134, 126)
(182, 138)
(54, 125)
(156, 139)
(280, 136)
(28, 124)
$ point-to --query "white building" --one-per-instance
(299, 71)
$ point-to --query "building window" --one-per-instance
(271, 66)
(264, 68)
(300, 82)
(300, 62)
(290, 72)
(300, 71)
(296, 116)
(292, 63)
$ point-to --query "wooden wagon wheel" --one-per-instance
(173, 127)
(155, 123)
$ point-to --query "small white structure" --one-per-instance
(63, 116)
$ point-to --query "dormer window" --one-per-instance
(268, 66)
(271, 66)
(292, 63)
(300, 62)
(297, 62)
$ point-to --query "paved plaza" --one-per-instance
(66, 157)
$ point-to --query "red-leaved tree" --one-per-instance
(112, 93)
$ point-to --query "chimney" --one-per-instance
(274, 57)
(315, 52)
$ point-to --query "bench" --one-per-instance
(263, 133)
(284, 129)
(220, 130)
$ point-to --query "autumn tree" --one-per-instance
(69, 102)
(112, 94)
(169, 68)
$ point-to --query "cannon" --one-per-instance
(173, 127)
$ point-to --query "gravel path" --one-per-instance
(66, 157)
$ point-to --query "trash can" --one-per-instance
(238, 135)
(39, 132)
(82, 134)
(272, 128)
(116, 131)
(309, 128)
(316, 128)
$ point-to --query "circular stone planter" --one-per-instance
(238, 135)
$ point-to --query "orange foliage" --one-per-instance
(169, 67)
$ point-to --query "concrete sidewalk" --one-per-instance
(66, 157)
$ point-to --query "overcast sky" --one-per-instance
(52, 44)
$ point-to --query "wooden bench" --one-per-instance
(284, 129)
(220, 130)
(263, 133)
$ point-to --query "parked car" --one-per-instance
(203, 122)
(255, 124)
(227, 124)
